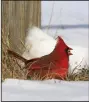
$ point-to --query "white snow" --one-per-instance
(38, 43)
(48, 90)
(79, 58)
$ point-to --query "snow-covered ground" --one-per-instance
(48, 90)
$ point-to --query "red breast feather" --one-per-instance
(55, 64)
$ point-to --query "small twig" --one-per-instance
(76, 67)
(22, 43)
(49, 69)
(51, 17)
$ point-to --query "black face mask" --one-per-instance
(66, 50)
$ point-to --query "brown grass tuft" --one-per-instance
(10, 65)
(80, 75)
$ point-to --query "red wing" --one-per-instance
(39, 66)
(36, 65)
(41, 63)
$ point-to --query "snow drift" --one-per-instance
(38, 43)
(48, 90)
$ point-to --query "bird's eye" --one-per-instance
(68, 51)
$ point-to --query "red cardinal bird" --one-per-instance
(55, 64)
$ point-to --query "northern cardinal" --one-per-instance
(54, 64)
